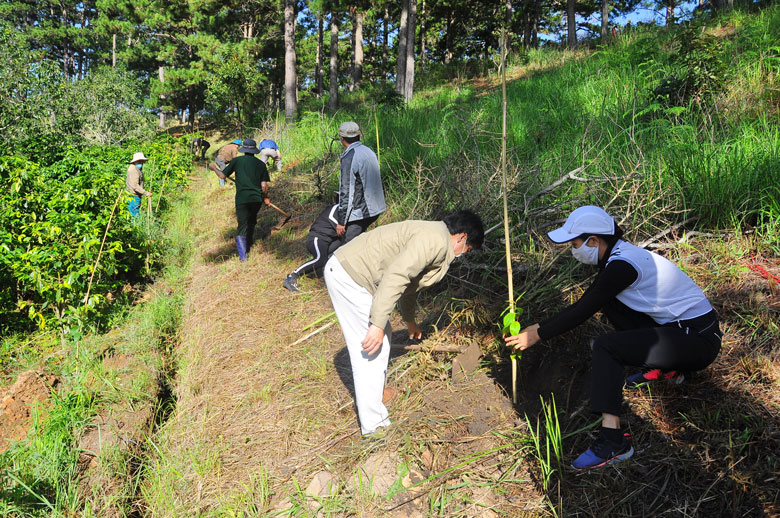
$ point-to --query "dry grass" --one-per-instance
(257, 419)
(253, 411)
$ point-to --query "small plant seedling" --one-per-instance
(512, 327)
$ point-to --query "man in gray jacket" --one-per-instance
(361, 196)
(368, 275)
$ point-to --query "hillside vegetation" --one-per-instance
(215, 410)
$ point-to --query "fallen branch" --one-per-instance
(433, 349)
(669, 230)
(571, 175)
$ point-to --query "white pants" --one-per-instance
(352, 303)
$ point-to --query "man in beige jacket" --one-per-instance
(368, 275)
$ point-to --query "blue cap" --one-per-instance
(268, 143)
(238, 142)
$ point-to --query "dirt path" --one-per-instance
(257, 417)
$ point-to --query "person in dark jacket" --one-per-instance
(663, 322)
(251, 192)
(199, 147)
(321, 242)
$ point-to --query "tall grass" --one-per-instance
(595, 111)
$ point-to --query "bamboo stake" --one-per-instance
(102, 242)
(376, 125)
(316, 331)
(329, 315)
(165, 177)
(510, 284)
(148, 226)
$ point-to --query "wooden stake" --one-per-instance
(102, 242)
(316, 331)
(510, 282)
(165, 177)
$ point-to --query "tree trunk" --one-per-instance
(571, 22)
(357, 54)
(526, 27)
(161, 73)
(318, 69)
(535, 29)
(448, 40)
(333, 102)
(113, 50)
(670, 12)
(508, 18)
(290, 75)
(422, 34)
(411, 26)
(385, 51)
(604, 19)
(400, 69)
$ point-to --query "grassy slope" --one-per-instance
(255, 419)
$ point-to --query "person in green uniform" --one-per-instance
(251, 192)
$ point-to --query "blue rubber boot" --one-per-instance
(241, 246)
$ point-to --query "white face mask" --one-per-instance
(586, 254)
(462, 250)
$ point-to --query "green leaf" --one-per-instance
(514, 328)
(508, 319)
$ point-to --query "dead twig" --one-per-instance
(669, 230)
(433, 349)
(316, 331)
(571, 175)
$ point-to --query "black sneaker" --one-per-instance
(291, 283)
(604, 452)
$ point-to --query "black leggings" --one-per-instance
(687, 345)
(321, 247)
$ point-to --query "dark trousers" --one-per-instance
(246, 214)
(355, 228)
(321, 247)
(638, 341)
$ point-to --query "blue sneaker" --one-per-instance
(653, 375)
(604, 452)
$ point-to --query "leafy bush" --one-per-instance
(53, 219)
(702, 70)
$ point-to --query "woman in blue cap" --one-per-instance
(663, 322)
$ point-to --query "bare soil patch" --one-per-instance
(16, 403)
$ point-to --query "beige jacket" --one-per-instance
(228, 152)
(135, 181)
(393, 262)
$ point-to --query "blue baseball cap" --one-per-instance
(268, 143)
(237, 142)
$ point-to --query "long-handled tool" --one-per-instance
(286, 215)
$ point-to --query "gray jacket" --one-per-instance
(361, 194)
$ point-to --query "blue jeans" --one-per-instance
(134, 205)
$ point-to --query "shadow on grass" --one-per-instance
(704, 448)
